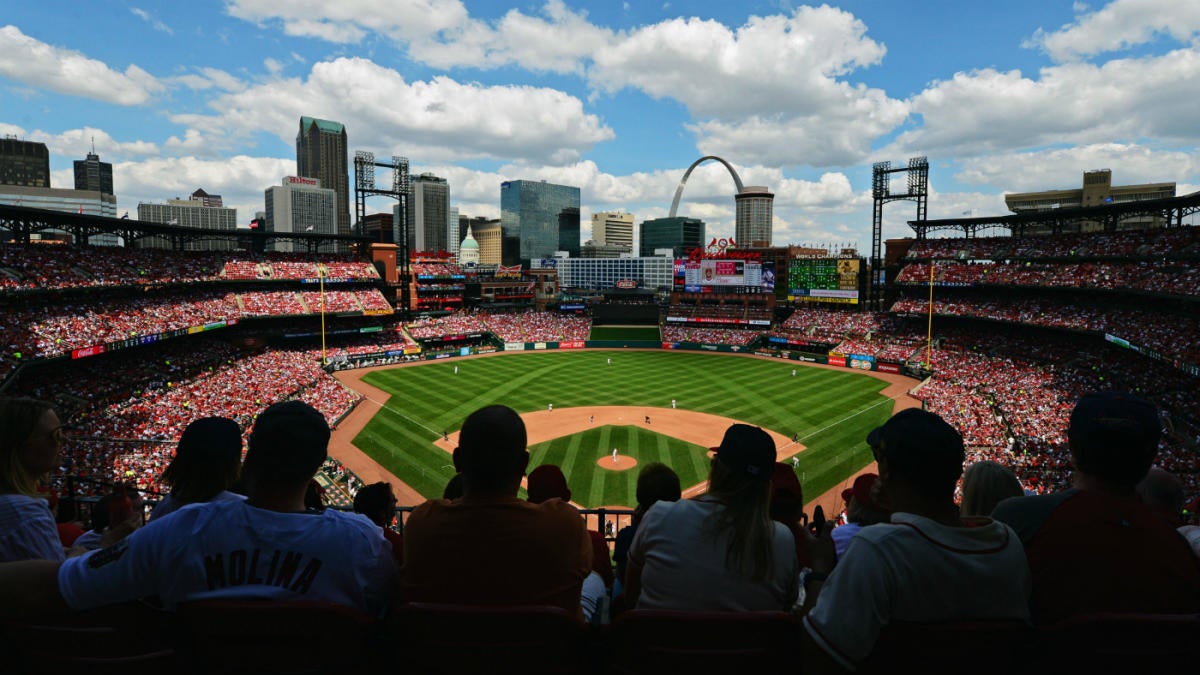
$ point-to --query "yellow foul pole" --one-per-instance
(321, 277)
(929, 328)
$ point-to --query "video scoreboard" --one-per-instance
(724, 276)
(824, 280)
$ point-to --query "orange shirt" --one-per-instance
(496, 551)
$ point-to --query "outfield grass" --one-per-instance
(830, 411)
(592, 485)
(625, 333)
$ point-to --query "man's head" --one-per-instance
(287, 446)
(1163, 492)
(657, 482)
(919, 450)
(547, 482)
(491, 451)
(1114, 437)
(377, 502)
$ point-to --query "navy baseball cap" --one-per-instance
(1113, 418)
(749, 450)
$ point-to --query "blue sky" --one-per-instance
(618, 98)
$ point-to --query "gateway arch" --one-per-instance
(737, 180)
(755, 206)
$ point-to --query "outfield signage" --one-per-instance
(514, 346)
(572, 344)
(887, 367)
(837, 360)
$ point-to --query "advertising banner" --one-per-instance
(837, 360)
(860, 364)
(571, 344)
(887, 368)
(539, 345)
(514, 346)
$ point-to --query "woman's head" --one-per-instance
(986, 484)
(30, 442)
(206, 461)
(741, 480)
(657, 482)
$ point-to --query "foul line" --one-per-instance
(846, 418)
(394, 411)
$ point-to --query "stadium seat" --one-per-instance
(659, 641)
(438, 638)
(980, 647)
(261, 636)
(1129, 643)
(125, 638)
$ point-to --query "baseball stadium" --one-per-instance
(998, 333)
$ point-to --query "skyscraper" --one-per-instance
(679, 234)
(428, 214)
(24, 163)
(755, 205)
(537, 219)
(613, 229)
(321, 153)
(299, 205)
(92, 174)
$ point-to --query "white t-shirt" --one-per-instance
(27, 530)
(683, 567)
(230, 549)
(918, 570)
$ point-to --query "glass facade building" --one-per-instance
(92, 174)
(536, 220)
(678, 234)
(755, 213)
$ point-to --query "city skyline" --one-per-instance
(619, 99)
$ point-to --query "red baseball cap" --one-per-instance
(862, 490)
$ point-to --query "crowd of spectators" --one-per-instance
(537, 326)
(47, 266)
(1178, 335)
(713, 336)
(1180, 277)
(435, 269)
(1125, 243)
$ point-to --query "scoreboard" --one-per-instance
(824, 280)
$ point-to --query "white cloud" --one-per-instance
(148, 18)
(1119, 25)
(1122, 100)
(75, 143)
(772, 84)
(240, 180)
(273, 66)
(66, 71)
(1062, 168)
(435, 120)
(211, 78)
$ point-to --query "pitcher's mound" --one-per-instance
(623, 463)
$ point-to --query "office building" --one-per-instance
(92, 174)
(598, 274)
(190, 213)
(24, 163)
(428, 214)
(206, 199)
(486, 232)
(321, 153)
(452, 231)
(537, 219)
(752, 226)
(1097, 190)
(680, 234)
(595, 249)
(300, 205)
(610, 228)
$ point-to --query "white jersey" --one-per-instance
(169, 504)
(230, 549)
(27, 530)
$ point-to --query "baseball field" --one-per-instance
(606, 401)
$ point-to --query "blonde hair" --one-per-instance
(986, 484)
(747, 518)
(19, 418)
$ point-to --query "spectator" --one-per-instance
(656, 482)
(787, 507)
(489, 547)
(548, 482)
(30, 441)
(862, 510)
(207, 461)
(927, 565)
(1069, 536)
(378, 503)
(724, 539)
(264, 547)
(985, 484)
(453, 488)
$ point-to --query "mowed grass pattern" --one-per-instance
(592, 485)
(830, 411)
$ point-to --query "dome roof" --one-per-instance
(468, 241)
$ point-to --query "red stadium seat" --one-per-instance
(657, 641)
(261, 636)
(126, 638)
(979, 647)
(460, 639)
(1129, 643)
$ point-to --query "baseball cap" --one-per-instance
(1109, 418)
(749, 450)
(921, 447)
(547, 482)
(783, 478)
(861, 490)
